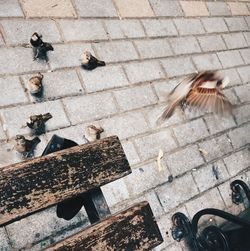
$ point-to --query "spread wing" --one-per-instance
(209, 99)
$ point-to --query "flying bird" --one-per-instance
(201, 91)
(89, 62)
(35, 85)
(37, 123)
(24, 146)
(40, 48)
(93, 133)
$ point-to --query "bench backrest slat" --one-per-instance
(133, 229)
(41, 182)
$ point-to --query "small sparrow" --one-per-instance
(35, 85)
(37, 123)
(93, 133)
(202, 91)
(40, 48)
(89, 62)
(24, 146)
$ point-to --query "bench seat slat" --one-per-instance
(134, 229)
(41, 182)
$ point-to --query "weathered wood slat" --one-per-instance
(44, 181)
(132, 230)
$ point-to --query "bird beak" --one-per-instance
(225, 82)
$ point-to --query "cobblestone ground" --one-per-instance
(148, 46)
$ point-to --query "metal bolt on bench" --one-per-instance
(234, 235)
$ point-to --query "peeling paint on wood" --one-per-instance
(134, 229)
(35, 184)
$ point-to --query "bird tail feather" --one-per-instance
(35, 142)
(101, 63)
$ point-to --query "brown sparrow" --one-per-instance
(89, 62)
(37, 123)
(24, 146)
(93, 133)
(202, 91)
(35, 84)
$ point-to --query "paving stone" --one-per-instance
(145, 71)
(205, 178)
(1, 39)
(2, 133)
(144, 178)
(207, 62)
(37, 227)
(245, 54)
(173, 247)
(237, 162)
(11, 91)
(154, 48)
(8, 155)
(139, 96)
(58, 84)
(233, 76)
(242, 92)
(182, 188)
(75, 133)
(178, 66)
(124, 29)
(77, 30)
(4, 245)
(149, 145)
(247, 37)
(235, 40)
(214, 24)
(115, 192)
(238, 8)
(166, 8)
(218, 9)
(104, 78)
(230, 94)
(236, 24)
(48, 8)
(125, 125)
(95, 8)
(10, 8)
(217, 123)
(130, 152)
(68, 55)
(211, 43)
(245, 75)
(16, 117)
(19, 60)
(153, 114)
(240, 136)
(194, 8)
(189, 26)
(210, 199)
(215, 148)
(184, 160)
(184, 45)
(134, 8)
(149, 196)
(191, 131)
(116, 51)
(158, 28)
(20, 31)
(230, 58)
(248, 21)
(88, 108)
(242, 114)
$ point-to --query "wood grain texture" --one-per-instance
(134, 229)
(44, 181)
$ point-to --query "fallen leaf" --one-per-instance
(204, 152)
(160, 155)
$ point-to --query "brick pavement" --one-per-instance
(149, 46)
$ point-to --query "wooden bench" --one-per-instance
(72, 178)
(233, 235)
